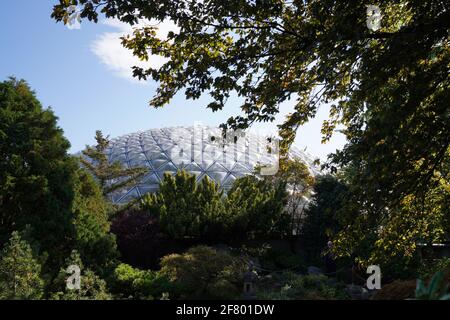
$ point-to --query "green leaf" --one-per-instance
(421, 289)
(435, 284)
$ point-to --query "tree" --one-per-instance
(93, 240)
(389, 87)
(112, 177)
(19, 271)
(299, 180)
(92, 287)
(322, 217)
(389, 237)
(36, 172)
(185, 208)
(140, 239)
(257, 209)
(253, 208)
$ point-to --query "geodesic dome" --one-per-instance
(199, 150)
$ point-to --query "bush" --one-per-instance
(396, 290)
(278, 259)
(133, 283)
(204, 273)
(253, 209)
(303, 287)
(437, 288)
(430, 267)
(92, 287)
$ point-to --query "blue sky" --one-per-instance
(83, 76)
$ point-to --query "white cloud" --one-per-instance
(119, 60)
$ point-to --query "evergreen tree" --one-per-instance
(92, 287)
(93, 239)
(36, 172)
(113, 176)
(322, 217)
(257, 209)
(19, 271)
(187, 209)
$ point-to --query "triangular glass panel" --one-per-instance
(238, 167)
(168, 167)
(192, 167)
(216, 168)
(158, 163)
(216, 176)
(150, 178)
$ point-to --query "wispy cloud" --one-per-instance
(119, 60)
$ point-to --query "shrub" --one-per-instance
(278, 259)
(437, 288)
(430, 267)
(203, 272)
(134, 283)
(92, 287)
(303, 287)
(253, 209)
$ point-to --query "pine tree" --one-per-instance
(186, 208)
(113, 176)
(19, 271)
(257, 209)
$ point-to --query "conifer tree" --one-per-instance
(112, 176)
(19, 271)
(92, 287)
(36, 173)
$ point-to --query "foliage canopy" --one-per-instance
(389, 88)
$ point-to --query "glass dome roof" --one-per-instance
(197, 149)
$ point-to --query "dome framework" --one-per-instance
(199, 150)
